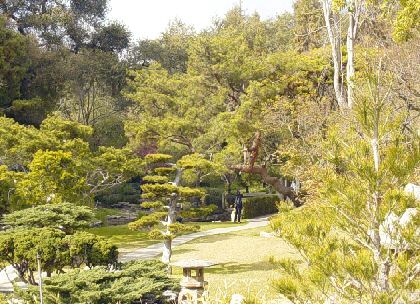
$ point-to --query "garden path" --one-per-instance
(156, 249)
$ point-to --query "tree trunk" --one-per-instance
(333, 25)
(350, 54)
(171, 218)
(276, 182)
(382, 262)
(355, 8)
(167, 251)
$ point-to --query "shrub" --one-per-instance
(66, 217)
(199, 212)
(213, 196)
(20, 247)
(259, 205)
(128, 192)
(135, 282)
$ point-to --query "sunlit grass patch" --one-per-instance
(243, 262)
(127, 239)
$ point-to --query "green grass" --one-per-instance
(210, 225)
(243, 262)
(102, 213)
(242, 258)
(126, 239)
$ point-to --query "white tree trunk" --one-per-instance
(354, 11)
(383, 262)
(167, 244)
(333, 25)
(171, 218)
(350, 55)
(167, 251)
(375, 150)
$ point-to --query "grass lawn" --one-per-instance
(243, 262)
(102, 213)
(127, 239)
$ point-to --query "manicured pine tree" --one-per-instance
(164, 198)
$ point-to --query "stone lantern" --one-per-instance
(192, 282)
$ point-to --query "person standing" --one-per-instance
(238, 206)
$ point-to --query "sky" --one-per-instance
(146, 19)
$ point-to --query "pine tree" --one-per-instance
(164, 198)
(360, 243)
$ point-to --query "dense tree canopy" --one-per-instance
(55, 164)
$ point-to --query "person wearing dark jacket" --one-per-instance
(238, 206)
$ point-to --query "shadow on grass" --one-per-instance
(233, 267)
(184, 250)
(212, 239)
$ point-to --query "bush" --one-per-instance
(66, 217)
(135, 282)
(213, 196)
(128, 192)
(20, 247)
(259, 205)
(199, 212)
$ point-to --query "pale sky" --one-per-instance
(148, 18)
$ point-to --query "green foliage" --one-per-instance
(170, 49)
(53, 178)
(13, 63)
(157, 179)
(113, 37)
(192, 106)
(58, 164)
(198, 168)
(63, 129)
(7, 185)
(159, 190)
(124, 192)
(157, 158)
(407, 23)
(66, 217)
(101, 213)
(199, 212)
(20, 248)
(166, 201)
(346, 254)
(29, 111)
(148, 221)
(187, 192)
(213, 196)
(259, 205)
(18, 143)
(249, 85)
(56, 21)
(109, 132)
(90, 250)
(178, 228)
(47, 58)
(308, 16)
(135, 281)
(153, 205)
(93, 85)
(164, 170)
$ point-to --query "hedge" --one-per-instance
(127, 192)
(259, 205)
(213, 196)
